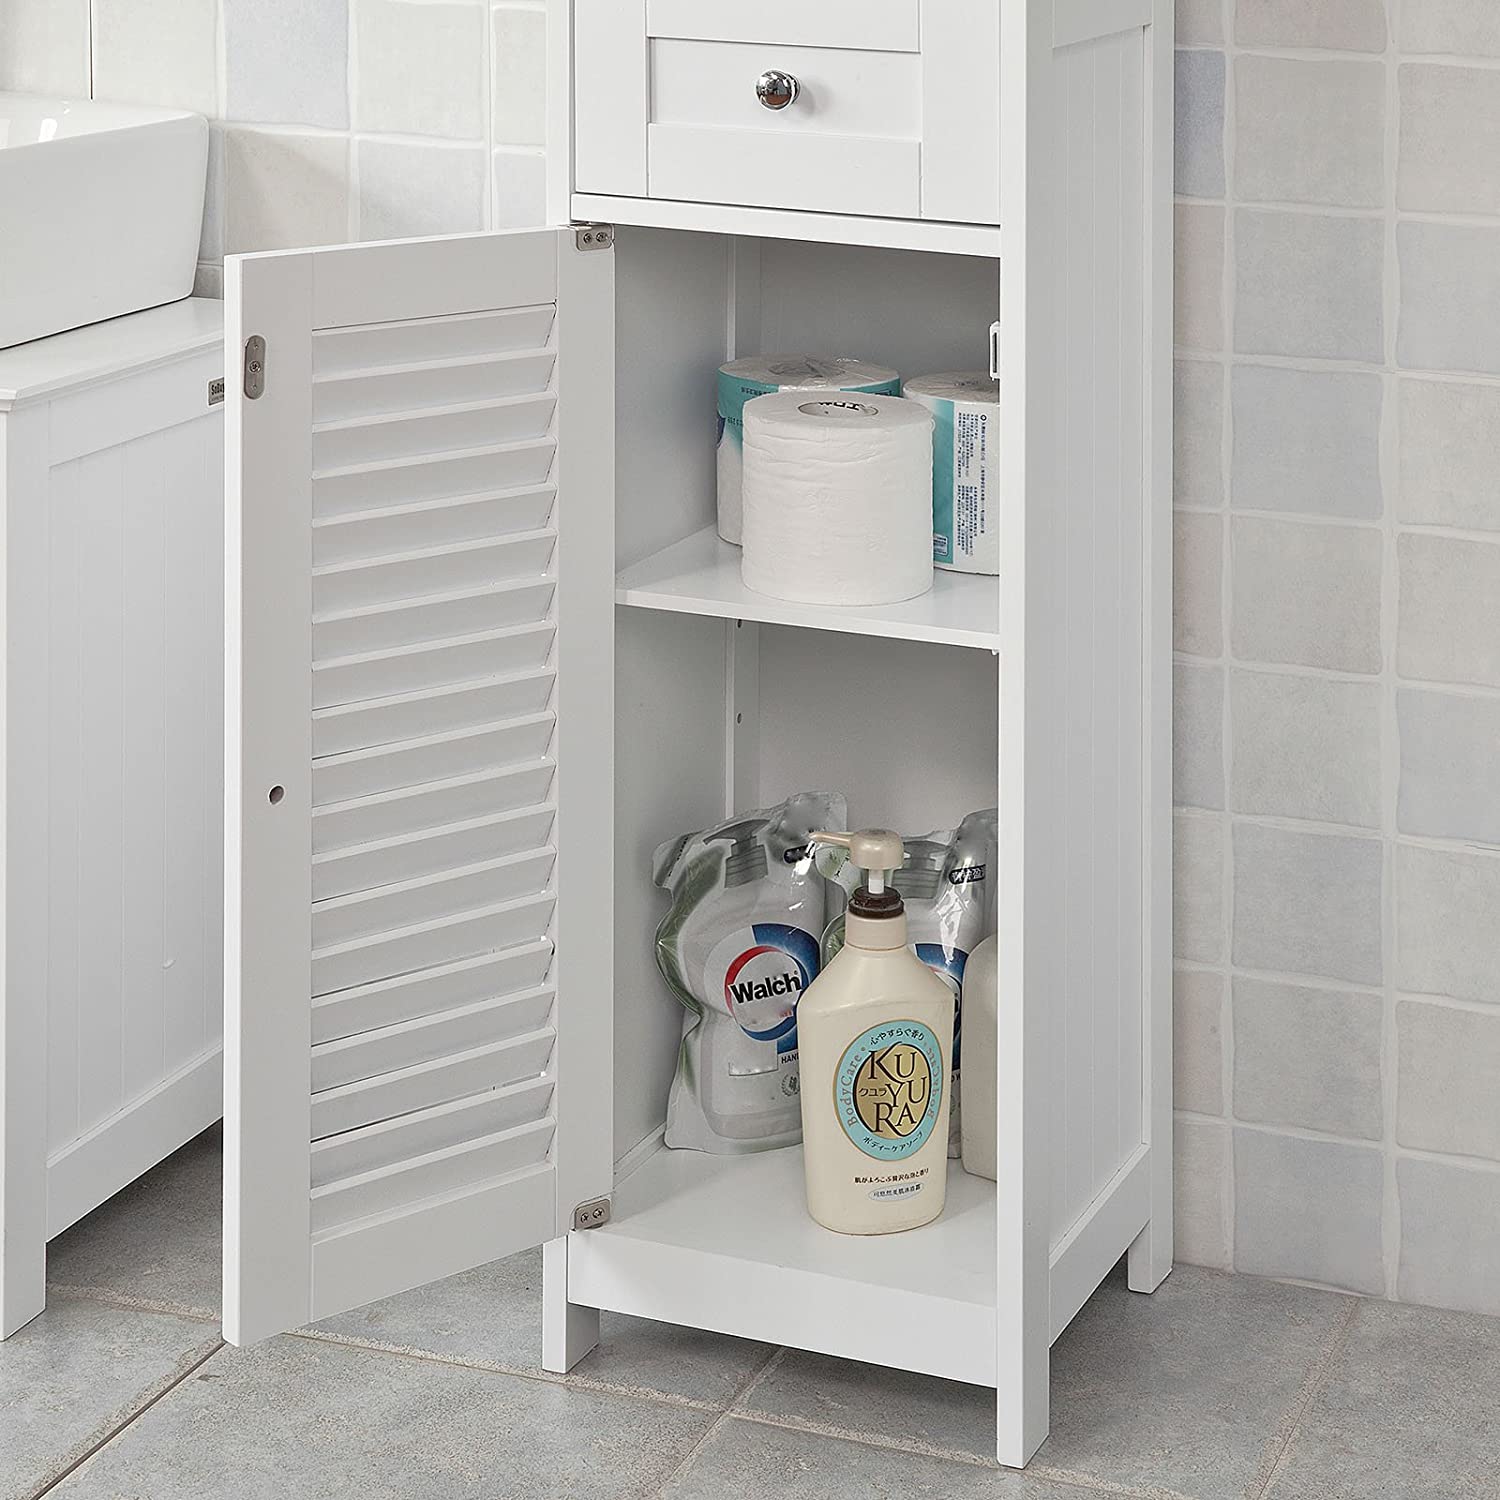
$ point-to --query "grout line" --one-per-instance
(951, 1455)
(1229, 273)
(758, 1377)
(689, 1458)
(110, 1298)
(135, 1415)
(1274, 1463)
(1390, 1207)
(494, 1367)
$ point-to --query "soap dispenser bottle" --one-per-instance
(876, 1038)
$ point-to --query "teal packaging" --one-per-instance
(742, 380)
(965, 468)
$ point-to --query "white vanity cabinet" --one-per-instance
(485, 651)
(111, 490)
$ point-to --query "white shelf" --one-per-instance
(701, 576)
(981, 240)
(726, 1244)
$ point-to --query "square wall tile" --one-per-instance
(1308, 903)
(1200, 1192)
(1198, 432)
(1450, 753)
(1450, 1225)
(1200, 23)
(44, 47)
(1198, 583)
(1198, 878)
(1447, 938)
(1198, 735)
(1463, 28)
(1450, 434)
(1450, 139)
(1305, 747)
(420, 68)
(157, 52)
(1449, 624)
(520, 190)
(1309, 132)
(409, 189)
(1450, 297)
(287, 61)
(1308, 1058)
(520, 77)
(1307, 442)
(1306, 595)
(1342, 25)
(1200, 124)
(1308, 1210)
(284, 191)
(1449, 1061)
(1197, 1041)
(1309, 286)
(1200, 276)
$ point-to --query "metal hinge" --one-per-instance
(591, 1215)
(994, 351)
(255, 367)
(594, 236)
(216, 392)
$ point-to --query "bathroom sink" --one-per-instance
(101, 207)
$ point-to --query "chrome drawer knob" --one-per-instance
(776, 90)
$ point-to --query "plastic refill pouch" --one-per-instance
(944, 883)
(738, 948)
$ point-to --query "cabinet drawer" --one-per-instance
(896, 114)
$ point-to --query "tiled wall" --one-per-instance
(335, 119)
(1338, 643)
(1338, 540)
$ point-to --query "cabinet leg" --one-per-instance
(1150, 1259)
(569, 1332)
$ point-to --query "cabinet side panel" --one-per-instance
(23, 836)
(1091, 610)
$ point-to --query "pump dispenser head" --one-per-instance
(876, 851)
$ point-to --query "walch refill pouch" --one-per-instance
(944, 885)
(738, 948)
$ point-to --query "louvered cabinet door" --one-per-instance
(420, 569)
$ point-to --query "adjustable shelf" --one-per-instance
(700, 575)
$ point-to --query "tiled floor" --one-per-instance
(1216, 1388)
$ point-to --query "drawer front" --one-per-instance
(897, 114)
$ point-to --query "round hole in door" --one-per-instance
(277, 793)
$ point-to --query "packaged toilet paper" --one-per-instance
(744, 379)
(965, 468)
(738, 948)
(944, 883)
(838, 498)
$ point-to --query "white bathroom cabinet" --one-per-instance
(485, 652)
(111, 462)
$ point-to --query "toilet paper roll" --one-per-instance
(965, 468)
(745, 379)
(838, 498)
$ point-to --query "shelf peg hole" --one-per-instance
(276, 794)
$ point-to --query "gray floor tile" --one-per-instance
(77, 1371)
(158, 1239)
(492, 1316)
(1190, 1389)
(1407, 1412)
(300, 1419)
(751, 1461)
(865, 1400)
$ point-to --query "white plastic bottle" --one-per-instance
(981, 1029)
(876, 1040)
